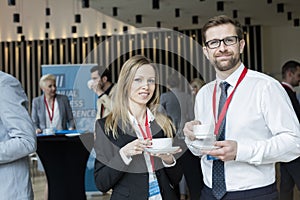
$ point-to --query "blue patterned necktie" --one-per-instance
(218, 176)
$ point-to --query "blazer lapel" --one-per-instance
(43, 110)
(60, 105)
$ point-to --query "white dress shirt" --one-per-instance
(56, 121)
(260, 118)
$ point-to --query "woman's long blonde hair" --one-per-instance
(121, 99)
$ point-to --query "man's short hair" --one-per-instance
(289, 66)
(102, 72)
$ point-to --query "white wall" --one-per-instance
(33, 19)
(280, 44)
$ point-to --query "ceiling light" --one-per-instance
(11, 2)
(296, 22)
(47, 25)
(138, 19)
(289, 15)
(77, 18)
(16, 17)
(155, 4)
(220, 5)
(195, 19)
(247, 21)
(19, 29)
(85, 3)
(280, 7)
(115, 11)
(74, 29)
(235, 14)
(158, 24)
(48, 11)
(177, 12)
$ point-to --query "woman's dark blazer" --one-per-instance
(130, 181)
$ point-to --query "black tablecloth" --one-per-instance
(64, 160)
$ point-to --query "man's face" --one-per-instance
(95, 76)
(295, 78)
(224, 57)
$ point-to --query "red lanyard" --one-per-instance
(51, 115)
(226, 105)
(147, 135)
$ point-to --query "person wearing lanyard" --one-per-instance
(51, 110)
(122, 164)
(255, 125)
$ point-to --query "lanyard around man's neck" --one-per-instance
(226, 105)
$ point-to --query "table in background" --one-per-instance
(64, 159)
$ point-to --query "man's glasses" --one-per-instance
(212, 44)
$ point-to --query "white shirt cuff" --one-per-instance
(170, 165)
(125, 159)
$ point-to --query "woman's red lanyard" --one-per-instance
(227, 102)
(51, 115)
(147, 135)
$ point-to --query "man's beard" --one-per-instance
(231, 64)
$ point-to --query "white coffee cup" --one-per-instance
(90, 84)
(161, 143)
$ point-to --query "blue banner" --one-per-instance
(71, 80)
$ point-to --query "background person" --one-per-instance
(103, 87)
(257, 129)
(17, 140)
(290, 79)
(51, 111)
(178, 105)
(196, 85)
(122, 164)
(289, 172)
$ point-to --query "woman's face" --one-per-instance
(49, 88)
(143, 86)
(194, 89)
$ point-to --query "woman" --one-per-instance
(196, 85)
(122, 138)
(51, 110)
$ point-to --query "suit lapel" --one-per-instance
(60, 105)
(42, 110)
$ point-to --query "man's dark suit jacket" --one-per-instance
(131, 181)
(294, 100)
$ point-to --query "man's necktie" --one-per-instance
(218, 176)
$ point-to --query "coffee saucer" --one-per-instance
(164, 150)
(205, 148)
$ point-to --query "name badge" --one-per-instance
(153, 188)
(211, 157)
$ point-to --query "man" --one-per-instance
(17, 140)
(103, 87)
(289, 172)
(291, 78)
(256, 122)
